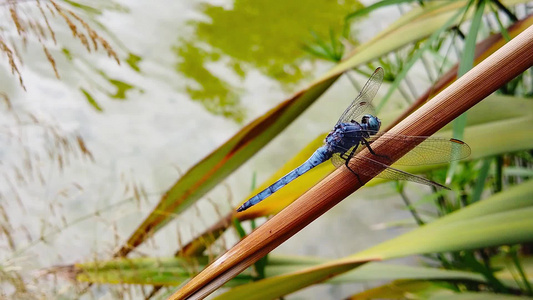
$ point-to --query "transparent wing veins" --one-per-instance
(363, 101)
(391, 173)
(430, 150)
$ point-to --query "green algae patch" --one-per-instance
(265, 36)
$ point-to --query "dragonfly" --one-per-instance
(357, 129)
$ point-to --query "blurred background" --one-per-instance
(98, 122)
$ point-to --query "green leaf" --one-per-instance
(169, 271)
(482, 177)
(384, 3)
(402, 289)
(238, 227)
(477, 296)
(379, 271)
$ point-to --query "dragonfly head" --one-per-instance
(371, 123)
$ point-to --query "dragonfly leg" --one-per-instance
(356, 175)
(367, 144)
(347, 158)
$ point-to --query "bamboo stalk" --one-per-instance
(505, 64)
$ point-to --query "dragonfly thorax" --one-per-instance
(344, 136)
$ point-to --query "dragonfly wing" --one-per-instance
(337, 158)
(363, 102)
(372, 166)
(429, 151)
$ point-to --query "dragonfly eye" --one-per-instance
(372, 123)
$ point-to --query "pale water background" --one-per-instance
(159, 128)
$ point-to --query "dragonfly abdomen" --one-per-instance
(318, 157)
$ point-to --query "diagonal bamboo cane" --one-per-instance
(502, 66)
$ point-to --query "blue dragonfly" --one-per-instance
(356, 129)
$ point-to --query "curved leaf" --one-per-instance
(402, 289)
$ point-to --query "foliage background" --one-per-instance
(86, 157)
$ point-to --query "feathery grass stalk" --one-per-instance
(502, 66)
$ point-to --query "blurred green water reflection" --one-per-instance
(263, 35)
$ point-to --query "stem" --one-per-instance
(411, 209)
(505, 10)
(518, 265)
